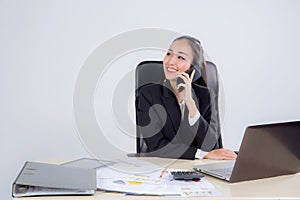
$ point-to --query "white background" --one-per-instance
(43, 45)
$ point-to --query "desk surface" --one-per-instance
(282, 187)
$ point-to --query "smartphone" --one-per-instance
(189, 72)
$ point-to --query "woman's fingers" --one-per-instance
(226, 154)
(192, 75)
(221, 154)
(180, 85)
(187, 77)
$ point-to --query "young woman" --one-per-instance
(176, 116)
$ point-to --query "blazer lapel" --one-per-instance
(171, 105)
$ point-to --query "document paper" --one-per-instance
(150, 182)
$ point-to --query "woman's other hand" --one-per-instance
(221, 154)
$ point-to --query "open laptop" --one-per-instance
(266, 151)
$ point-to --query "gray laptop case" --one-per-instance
(266, 151)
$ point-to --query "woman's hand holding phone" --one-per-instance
(186, 94)
(186, 85)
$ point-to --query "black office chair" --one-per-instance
(149, 72)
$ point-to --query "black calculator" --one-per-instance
(187, 175)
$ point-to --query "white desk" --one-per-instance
(282, 187)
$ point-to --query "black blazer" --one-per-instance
(165, 132)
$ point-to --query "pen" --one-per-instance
(163, 172)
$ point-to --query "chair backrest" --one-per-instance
(213, 85)
(149, 72)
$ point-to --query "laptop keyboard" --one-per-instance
(226, 172)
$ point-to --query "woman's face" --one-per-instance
(178, 59)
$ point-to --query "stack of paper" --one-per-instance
(147, 180)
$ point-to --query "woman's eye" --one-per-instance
(181, 58)
(168, 53)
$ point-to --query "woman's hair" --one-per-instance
(198, 54)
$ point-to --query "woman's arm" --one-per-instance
(212, 136)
